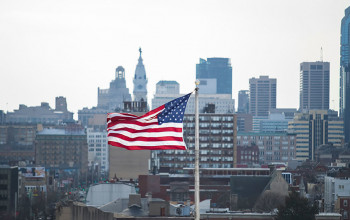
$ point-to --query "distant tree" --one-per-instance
(297, 207)
(269, 201)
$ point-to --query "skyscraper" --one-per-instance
(346, 102)
(344, 96)
(243, 101)
(314, 85)
(140, 81)
(219, 69)
(262, 93)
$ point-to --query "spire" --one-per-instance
(140, 58)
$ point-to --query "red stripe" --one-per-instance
(120, 117)
(165, 129)
(131, 122)
(146, 139)
(153, 111)
(167, 147)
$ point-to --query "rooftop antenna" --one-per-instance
(321, 55)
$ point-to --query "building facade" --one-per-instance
(346, 102)
(2, 117)
(219, 103)
(217, 135)
(273, 147)
(313, 129)
(17, 143)
(112, 99)
(334, 188)
(247, 155)
(98, 150)
(344, 60)
(219, 69)
(244, 122)
(140, 81)
(243, 101)
(8, 191)
(262, 95)
(167, 87)
(314, 85)
(62, 148)
(42, 114)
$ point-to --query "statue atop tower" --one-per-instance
(140, 81)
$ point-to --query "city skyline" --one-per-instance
(51, 50)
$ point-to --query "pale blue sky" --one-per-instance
(69, 48)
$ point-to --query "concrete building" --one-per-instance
(86, 114)
(62, 148)
(8, 191)
(42, 114)
(334, 188)
(314, 85)
(140, 81)
(112, 99)
(98, 153)
(128, 164)
(219, 69)
(276, 122)
(243, 101)
(244, 122)
(17, 143)
(313, 129)
(167, 87)
(217, 135)
(273, 147)
(207, 86)
(221, 103)
(2, 117)
(262, 95)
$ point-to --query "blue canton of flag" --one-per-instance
(174, 111)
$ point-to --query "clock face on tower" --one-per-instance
(139, 87)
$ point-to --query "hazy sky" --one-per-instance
(70, 48)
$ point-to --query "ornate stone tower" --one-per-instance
(140, 81)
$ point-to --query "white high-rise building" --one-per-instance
(98, 150)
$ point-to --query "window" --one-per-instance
(345, 202)
(345, 215)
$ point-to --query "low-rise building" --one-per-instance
(333, 189)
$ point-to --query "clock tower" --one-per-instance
(140, 81)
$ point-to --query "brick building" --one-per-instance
(62, 148)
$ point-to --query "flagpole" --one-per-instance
(196, 150)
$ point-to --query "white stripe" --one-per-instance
(138, 127)
(147, 134)
(146, 143)
(151, 116)
(112, 115)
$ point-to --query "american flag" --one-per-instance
(159, 129)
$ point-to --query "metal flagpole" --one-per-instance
(196, 150)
